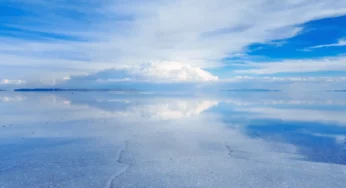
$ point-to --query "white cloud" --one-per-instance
(307, 115)
(66, 78)
(152, 72)
(286, 79)
(12, 98)
(111, 34)
(341, 42)
(170, 71)
(166, 110)
(11, 82)
(295, 66)
(285, 83)
(339, 139)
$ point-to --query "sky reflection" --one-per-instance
(102, 139)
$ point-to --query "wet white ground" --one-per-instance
(101, 141)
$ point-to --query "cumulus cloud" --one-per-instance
(111, 34)
(151, 72)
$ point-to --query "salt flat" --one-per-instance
(102, 139)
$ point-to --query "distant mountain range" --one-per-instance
(338, 90)
(62, 90)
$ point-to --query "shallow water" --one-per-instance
(232, 139)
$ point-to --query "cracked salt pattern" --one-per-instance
(107, 140)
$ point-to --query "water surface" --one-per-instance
(234, 139)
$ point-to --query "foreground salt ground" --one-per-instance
(105, 140)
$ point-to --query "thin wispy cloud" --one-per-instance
(341, 42)
(295, 66)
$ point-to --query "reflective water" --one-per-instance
(234, 139)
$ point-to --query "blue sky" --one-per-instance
(109, 43)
